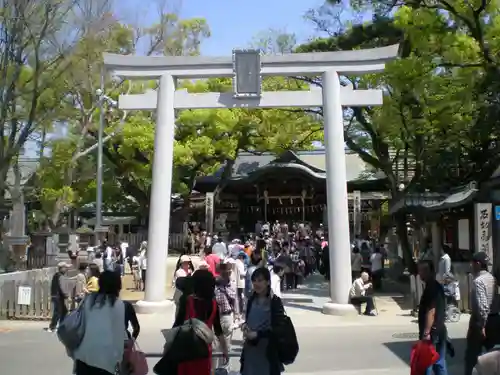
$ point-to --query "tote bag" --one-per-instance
(72, 329)
(135, 358)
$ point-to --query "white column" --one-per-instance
(338, 211)
(159, 207)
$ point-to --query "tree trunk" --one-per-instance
(402, 233)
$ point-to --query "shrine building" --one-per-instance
(290, 187)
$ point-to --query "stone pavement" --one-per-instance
(328, 345)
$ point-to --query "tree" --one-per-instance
(35, 43)
(63, 188)
(460, 44)
(427, 110)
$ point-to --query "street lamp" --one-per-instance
(102, 99)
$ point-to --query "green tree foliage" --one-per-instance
(440, 112)
(34, 48)
(78, 107)
(207, 140)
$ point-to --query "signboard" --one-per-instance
(482, 230)
(24, 295)
(356, 203)
(497, 212)
(209, 212)
(246, 69)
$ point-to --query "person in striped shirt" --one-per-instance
(483, 309)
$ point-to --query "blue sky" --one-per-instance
(233, 22)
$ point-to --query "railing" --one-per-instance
(464, 283)
(176, 240)
(26, 294)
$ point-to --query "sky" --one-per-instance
(233, 23)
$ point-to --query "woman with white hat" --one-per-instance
(184, 268)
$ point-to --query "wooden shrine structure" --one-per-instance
(289, 188)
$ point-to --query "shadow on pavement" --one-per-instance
(303, 307)
(402, 350)
(235, 353)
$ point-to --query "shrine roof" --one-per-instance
(311, 161)
(431, 201)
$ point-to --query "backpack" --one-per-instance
(286, 340)
(190, 341)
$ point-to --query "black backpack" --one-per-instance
(286, 340)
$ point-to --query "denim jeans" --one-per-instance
(439, 368)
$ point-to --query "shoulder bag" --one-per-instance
(72, 329)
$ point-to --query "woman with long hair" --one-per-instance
(101, 350)
(264, 309)
(200, 302)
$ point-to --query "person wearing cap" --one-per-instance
(184, 269)
(484, 311)
(234, 248)
(58, 297)
(219, 248)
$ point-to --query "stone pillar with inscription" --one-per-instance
(209, 212)
(482, 228)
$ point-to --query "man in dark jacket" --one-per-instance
(58, 296)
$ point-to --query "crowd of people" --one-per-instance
(238, 285)
(235, 286)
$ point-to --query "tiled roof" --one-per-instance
(248, 162)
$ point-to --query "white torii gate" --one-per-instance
(246, 68)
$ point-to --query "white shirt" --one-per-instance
(109, 252)
(276, 284)
(234, 250)
(240, 273)
(220, 249)
(143, 260)
(102, 344)
(358, 288)
(356, 261)
(376, 262)
(444, 267)
(124, 247)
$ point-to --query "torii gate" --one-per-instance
(246, 67)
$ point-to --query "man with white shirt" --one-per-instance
(123, 248)
(219, 248)
(234, 249)
(377, 268)
(358, 296)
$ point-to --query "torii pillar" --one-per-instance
(246, 68)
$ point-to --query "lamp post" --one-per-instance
(98, 205)
(99, 228)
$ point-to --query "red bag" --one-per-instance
(423, 355)
(135, 358)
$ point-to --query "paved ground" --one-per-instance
(328, 345)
